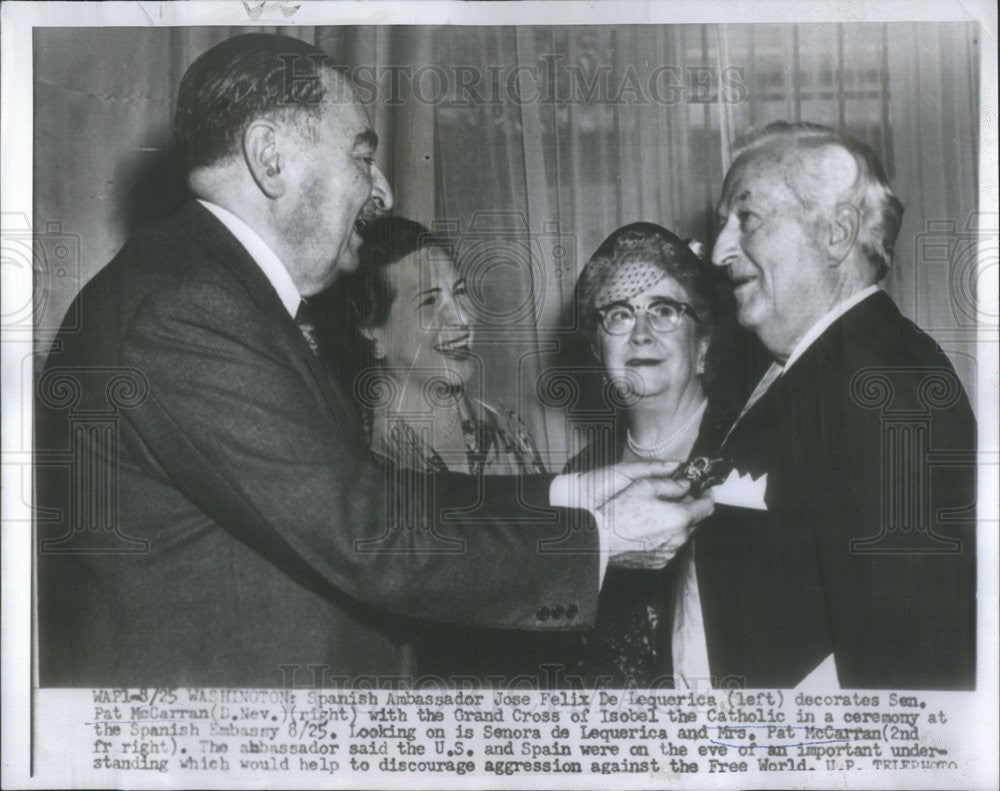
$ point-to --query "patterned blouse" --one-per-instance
(496, 442)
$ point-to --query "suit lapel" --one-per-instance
(226, 249)
(754, 436)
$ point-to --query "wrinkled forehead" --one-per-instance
(342, 109)
(783, 171)
(338, 88)
(627, 280)
(757, 173)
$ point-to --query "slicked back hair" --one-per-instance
(242, 79)
(880, 211)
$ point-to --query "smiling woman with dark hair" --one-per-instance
(413, 318)
(413, 311)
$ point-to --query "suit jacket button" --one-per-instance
(571, 611)
(542, 614)
(557, 611)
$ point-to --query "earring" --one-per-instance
(701, 366)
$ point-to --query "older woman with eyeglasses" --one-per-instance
(648, 308)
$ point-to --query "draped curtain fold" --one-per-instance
(531, 144)
(621, 124)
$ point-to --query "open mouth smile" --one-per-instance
(457, 348)
(643, 362)
(739, 281)
(368, 213)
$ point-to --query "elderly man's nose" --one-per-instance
(725, 244)
(381, 191)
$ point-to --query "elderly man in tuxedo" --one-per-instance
(855, 566)
(209, 513)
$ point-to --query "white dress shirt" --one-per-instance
(689, 644)
(265, 258)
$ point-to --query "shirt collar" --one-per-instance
(821, 326)
(776, 369)
(265, 258)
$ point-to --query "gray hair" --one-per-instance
(880, 210)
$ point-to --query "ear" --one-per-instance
(263, 158)
(843, 231)
(377, 336)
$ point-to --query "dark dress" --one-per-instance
(630, 644)
(456, 656)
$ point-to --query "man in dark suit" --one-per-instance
(208, 513)
(858, 568)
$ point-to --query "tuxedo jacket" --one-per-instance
(208, 513)
(867, 547)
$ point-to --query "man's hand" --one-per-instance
(649, 521)
(591, 490)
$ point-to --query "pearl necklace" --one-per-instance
(655, 451)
